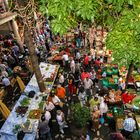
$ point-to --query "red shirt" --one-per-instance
(86, 60)
(85, 75)
(97, 62)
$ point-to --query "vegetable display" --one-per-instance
(25, 102)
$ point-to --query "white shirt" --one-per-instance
(61, 79)
(60, 119)
(65, 57)
(87, 83)
(47, 116)
(50, 106)
(55, 100)
(78, 55)
(72, 64)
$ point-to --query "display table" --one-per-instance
(15, 119)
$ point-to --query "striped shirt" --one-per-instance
(129, 124)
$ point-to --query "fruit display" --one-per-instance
(21, 110)
(109, 70)
(111, 81)
(34, 114)
(25, 102)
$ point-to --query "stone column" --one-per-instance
(16, 34)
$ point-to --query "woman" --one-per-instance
(103, 107)
(95, 120)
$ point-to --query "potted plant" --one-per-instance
(80, 117)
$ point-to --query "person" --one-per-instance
(95, 120)
(93, 54)
(60, 117)
(72, 65)
(82, 96)
(61, 79)
(94, 101)
(86, 61)
(49, 106)
(103, 107)
(78, 56)
(7, 84)
(55, 100)
(60, 92)
(115, 135)
(88, 85)
(93, 76)
(47, 116)
(128, 126)
(66, 61)
(44, 130)
(97, 64)
(121, 83)
(89, 59)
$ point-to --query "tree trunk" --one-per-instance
(130, 69)
(34, 59)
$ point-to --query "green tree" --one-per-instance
(124, 39)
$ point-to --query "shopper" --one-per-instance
(72, 65)
(95, 120)
(66, 61)
(88, 86)
(61, 79)
(60, 92)
(44, 130)
(128, 126)
(61, 121)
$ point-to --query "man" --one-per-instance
(66, 61)
(128, 126)
(61, 79)
(86, 61)
(49, 106)
(60, 92)
(87, 85)
(7, 84)
(44, 130)
(61, 121)
(72, 65)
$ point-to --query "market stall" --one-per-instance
(27, 111)
(111, 76)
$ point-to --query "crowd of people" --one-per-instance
(80, 82)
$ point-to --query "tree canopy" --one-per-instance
(66, 14)
(120, 16)
(124, 37)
